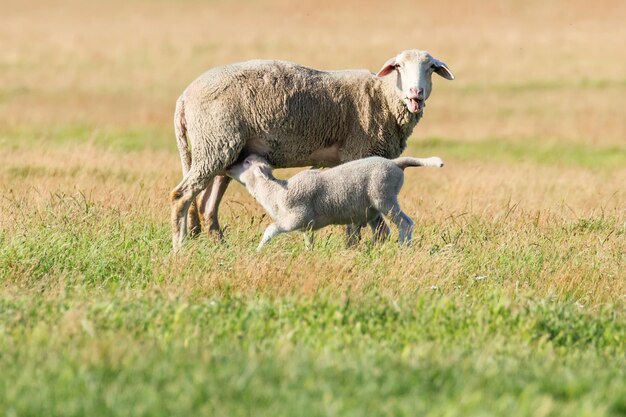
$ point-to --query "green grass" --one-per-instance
(426, 355)
(96, 318)
(72, 238)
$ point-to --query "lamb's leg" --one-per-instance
(181, 198)
(405, 227)
(309, 239)
(394, 214)
(379, 229)
(403, 222)
(211, 202)
(271, 231)
(353, 234)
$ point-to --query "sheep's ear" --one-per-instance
(389, 66)
(442, 70)
(265, 171)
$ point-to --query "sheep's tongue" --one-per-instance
(413, 105)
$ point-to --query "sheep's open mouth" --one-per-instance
(415, 105)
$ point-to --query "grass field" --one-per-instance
(511, 302)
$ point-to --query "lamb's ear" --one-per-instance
(389, 66)
(442, 70)
(265, 171)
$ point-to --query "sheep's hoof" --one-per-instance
(194, 229)
(216, 234)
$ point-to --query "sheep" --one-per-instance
(354, 193)
(292, 116)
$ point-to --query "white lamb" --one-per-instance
(354, 193)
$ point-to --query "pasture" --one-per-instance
(511, 301)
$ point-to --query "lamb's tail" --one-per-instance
(180, 129)
(407, 161)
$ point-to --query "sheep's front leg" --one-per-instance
(271, 231)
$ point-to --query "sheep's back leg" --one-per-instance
(211, 155)
(210, 204)
(193, 217)
(195, 226)
(181, 198)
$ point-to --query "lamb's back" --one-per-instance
(347, 193)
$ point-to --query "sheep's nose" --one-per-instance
(416, 92)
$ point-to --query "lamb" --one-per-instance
(354, 193)
(292, 116)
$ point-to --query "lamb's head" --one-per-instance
(248, 171)
(414, 69)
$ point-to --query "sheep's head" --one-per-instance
(250, 169)
(414, 69)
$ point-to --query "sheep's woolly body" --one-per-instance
(292, 115)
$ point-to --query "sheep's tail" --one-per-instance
(407, 161)
(180, 129)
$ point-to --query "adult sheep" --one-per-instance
(292, 116)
